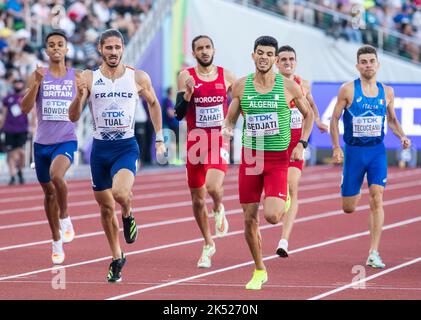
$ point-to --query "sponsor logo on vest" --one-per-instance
(99, 82)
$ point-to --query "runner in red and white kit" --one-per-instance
(202, 99)
(287, 63)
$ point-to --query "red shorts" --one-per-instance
(204, 154)
(295, 137)
(268, 170)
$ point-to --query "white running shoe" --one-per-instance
(282, 250)
(58, 254)
(205, 259)
(374, 260)
(221, 222)
(67, 230)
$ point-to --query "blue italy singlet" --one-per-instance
(364, 119)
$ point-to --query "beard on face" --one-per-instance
(111, 65)
(205, 64)
(262, 70)
(18, 89)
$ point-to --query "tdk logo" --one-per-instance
(262, 117)
(113, 114)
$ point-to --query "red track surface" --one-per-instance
(325, 245)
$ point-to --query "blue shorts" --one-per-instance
(44, 154)
(359, 160)
(108, 157)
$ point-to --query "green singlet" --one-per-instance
(266, 117)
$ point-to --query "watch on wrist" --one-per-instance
(304, 143)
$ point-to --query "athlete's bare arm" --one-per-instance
(307, 88)
(392, 120)
(294, 92)
(146, 90)
(345, 96)
(83, 89)
(234, 108)
(229, 79)
(30, 97)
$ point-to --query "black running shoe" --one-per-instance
(20, 177)
(130, 229)
(12, 181)
(114, 272)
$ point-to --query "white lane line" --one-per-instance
(147, 182)
(314, 246)
(149, 187)
(228, 212)
(162, 247)
(352, 284)
(146, 209)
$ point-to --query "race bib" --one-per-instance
(55, 110)
(207, 117)
(258, 125)
(114, 120)
(296, 119)
(367, 126)
(15, 110)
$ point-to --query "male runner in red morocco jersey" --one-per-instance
(287, 62)
(202, 99)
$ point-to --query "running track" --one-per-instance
(325, 247)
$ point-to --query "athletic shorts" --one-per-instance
(295, 137)
(109, 157)
(15, 140)
(44, 155)
(201, 158)
(266, 170)
(361, 160)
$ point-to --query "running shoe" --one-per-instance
(259, 278)
(282, 250)
(67, 230)
(20, 177)
(205, 259)
(221, 222)
(12, 181)
(374, 260)
(114, 272)
(130, 229)
(58, 254)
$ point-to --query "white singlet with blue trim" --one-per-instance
(113, 105)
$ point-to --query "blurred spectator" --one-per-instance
(359, 20)
(15, 126)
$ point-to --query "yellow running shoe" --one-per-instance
(259, 278)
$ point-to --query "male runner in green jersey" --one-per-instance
(263, 98)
